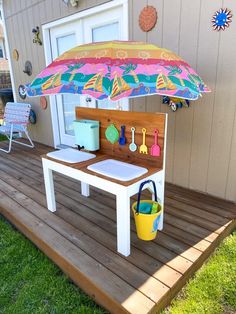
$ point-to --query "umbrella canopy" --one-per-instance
(118, 69)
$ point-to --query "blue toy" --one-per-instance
(175, 103)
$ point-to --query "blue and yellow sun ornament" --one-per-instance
(221, 19)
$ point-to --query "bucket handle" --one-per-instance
(140, 191)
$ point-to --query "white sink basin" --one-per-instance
(117, 169)
(70, 155)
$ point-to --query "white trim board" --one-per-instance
(90, 11)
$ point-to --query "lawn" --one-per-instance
(213, 289)
(31, 283)
(2, 137)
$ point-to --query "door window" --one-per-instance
(69, 101)
(106, 32)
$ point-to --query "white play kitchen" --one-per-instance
(118, 151)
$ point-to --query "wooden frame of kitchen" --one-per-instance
(122, 190)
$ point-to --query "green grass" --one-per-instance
(31, 283)
(2, 137)
(213, 289)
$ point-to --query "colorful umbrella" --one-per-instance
(117, 69)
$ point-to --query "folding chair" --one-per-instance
(15, 122)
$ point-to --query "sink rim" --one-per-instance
(69, 155)
(118, 175)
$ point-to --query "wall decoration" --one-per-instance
(28, 68)
(73, 3)
(221, 19)
(15, 54)
(32, 117)
(36, 39)
(22, 91)
(147, 18)
(175, 103)
(43, 102)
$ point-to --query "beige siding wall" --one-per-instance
(21, 17)
(201, 151)
(202, 139)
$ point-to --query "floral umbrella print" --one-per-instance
(118, 69)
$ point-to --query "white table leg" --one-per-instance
(123, 223)
(161, 194)
(85, 189)
(49, 187)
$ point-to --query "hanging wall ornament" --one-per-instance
(28, 68)
(15, 54)
(22, 91)
(147, 18)
(221, 19)
(43, 102)
(37, 39)
(32, 117)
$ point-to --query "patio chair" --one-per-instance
(15, 122)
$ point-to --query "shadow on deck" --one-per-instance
(80, 237)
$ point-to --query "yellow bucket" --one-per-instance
(146, 223)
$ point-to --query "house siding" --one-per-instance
(21, 17)
(201, 152)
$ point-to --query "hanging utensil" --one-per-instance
(112, 134)
(155, 149)
(122, 139)
(143, 148)
(132, 145)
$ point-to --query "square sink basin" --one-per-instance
(70, 155)
(118, 170)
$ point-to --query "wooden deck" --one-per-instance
(81, 236)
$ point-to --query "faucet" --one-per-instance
(80, 147)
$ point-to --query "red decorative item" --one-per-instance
(43, 102)
(147, 18)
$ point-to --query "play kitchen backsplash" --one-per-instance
(87, 137)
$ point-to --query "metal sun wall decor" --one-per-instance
(221, 19)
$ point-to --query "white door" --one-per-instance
(103, 26)
(106, 26)
(64, 38)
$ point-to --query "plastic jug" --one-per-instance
(87, 134)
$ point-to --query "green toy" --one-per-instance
(112, 134)
(154, 209)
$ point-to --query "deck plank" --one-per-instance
(149, 286)
(202, 201)
(67, 256)
(196, 211)
(81, 235)
(36, 193)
